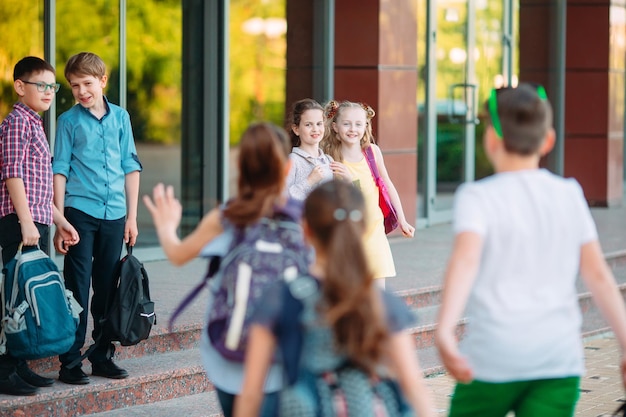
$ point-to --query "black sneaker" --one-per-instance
(32, 378)
(74, 376)
(108, 369)
(14, 385)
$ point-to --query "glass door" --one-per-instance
(468, 46)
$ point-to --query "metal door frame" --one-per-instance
(432, 214)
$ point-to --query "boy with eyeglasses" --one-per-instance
(26, 200)
(96, 183)
(521, 238)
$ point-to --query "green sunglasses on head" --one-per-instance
(493, 105)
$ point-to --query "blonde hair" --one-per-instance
(331, 144)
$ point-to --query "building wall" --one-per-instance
(376, 63)
(595, 40)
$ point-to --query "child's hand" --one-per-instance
(64, 237)
(131, 232)
(407, 229)
(340, 170)
(316, 175)
(455, 363)
(30, 233)
(165, 209)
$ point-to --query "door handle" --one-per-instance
(463, 109)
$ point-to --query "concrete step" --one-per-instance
(152, 379)
(166, 372)
(186, 336)
(197, 405)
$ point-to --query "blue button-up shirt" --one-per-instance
(95, 156)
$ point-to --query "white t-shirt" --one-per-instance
(523, 314)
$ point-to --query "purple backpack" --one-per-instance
(253, 257)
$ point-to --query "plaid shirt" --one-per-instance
(25, 154)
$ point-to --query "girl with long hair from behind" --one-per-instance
(355, 321)
(263, 166)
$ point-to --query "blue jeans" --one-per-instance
(268, 409)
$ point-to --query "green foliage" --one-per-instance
(154, 58)
(19, 37)
(452, 37)
(257, 67)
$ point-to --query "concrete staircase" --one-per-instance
(166, 375)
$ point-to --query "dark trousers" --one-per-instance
(10, 239)
(91, 262)
(269, 408)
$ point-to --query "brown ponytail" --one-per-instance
(263, 156)
(352, 304)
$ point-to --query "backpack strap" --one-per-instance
(371, 162)
(214, 265)
(3, 336)
(298, 294)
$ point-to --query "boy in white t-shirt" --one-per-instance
(522, 237)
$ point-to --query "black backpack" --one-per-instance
(129, 312)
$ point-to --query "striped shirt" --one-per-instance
(25, 154)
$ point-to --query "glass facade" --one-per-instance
(149, 81)
(465, 48)
(193, 75)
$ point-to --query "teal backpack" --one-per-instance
(39, 315)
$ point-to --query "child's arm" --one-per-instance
(261, 345)
(460, 275)
(407, 229)
(296, 190)
(131, 186)
(166, 213)
(599, 279)
(17, 193)
(59, 181)
(406, 368)
(65, 234)
(341, 171)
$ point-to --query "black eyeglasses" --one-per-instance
(43, 87)
(493, 105)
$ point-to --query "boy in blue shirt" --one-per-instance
(96, 183)
(26, 205)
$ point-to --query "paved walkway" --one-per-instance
(420, 262)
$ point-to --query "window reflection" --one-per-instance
(257, 60)
(21, 34)
(153, 84)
